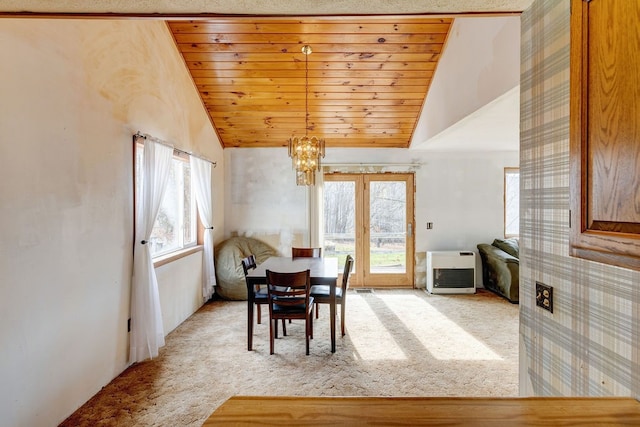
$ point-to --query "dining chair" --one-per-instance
(260, 296)
(306, 252)
(321, 293)
(288, 295)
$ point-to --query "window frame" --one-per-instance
(185, 250)
(507, 171)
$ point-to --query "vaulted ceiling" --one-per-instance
(367, 76)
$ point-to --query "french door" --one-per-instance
(370, 216)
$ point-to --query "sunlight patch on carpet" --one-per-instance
(430, 327)
(372, 340)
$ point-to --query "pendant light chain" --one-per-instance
(306, 94)
(306, 152)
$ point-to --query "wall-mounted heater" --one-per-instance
(451, 272)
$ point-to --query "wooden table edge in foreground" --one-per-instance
(416, 411)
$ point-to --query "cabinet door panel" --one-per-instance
(605, 131)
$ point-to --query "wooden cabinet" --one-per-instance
(605, 131)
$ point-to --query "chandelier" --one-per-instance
(306, 151)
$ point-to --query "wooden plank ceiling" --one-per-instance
(367, 76)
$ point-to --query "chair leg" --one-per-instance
(342, 316)
(259, 314)
(271, 340)
(275, 326)
(284, 328)
(308, 331)
(317, 310)
(311, 322)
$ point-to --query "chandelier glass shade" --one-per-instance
(306, 151)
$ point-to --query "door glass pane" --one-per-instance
(339, 220)
(387, 220)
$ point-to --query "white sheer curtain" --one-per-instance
(315, 209)
(147, 333)
(201, 181)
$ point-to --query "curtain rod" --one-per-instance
(159, 141)
(343, 165)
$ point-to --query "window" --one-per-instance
(511, 202)
(175, 226)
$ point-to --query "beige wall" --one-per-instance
(72, 94)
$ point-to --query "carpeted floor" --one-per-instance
(398, 343)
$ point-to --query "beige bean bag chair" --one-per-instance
(231, 283)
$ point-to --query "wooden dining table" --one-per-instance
(323, 271)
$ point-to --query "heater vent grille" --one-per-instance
(451, 272)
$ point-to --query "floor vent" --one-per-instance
(364, 291)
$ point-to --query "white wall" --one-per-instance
(461, 193)
(262, 199)
(180, 291)
(72, 94)
(481, 62)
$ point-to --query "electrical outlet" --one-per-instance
(544, 296)
(429, 225)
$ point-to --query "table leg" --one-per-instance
(249, 320)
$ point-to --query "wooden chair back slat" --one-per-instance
(306, 252)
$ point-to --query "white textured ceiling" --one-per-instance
(261, 7)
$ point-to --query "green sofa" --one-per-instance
(501, 267)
